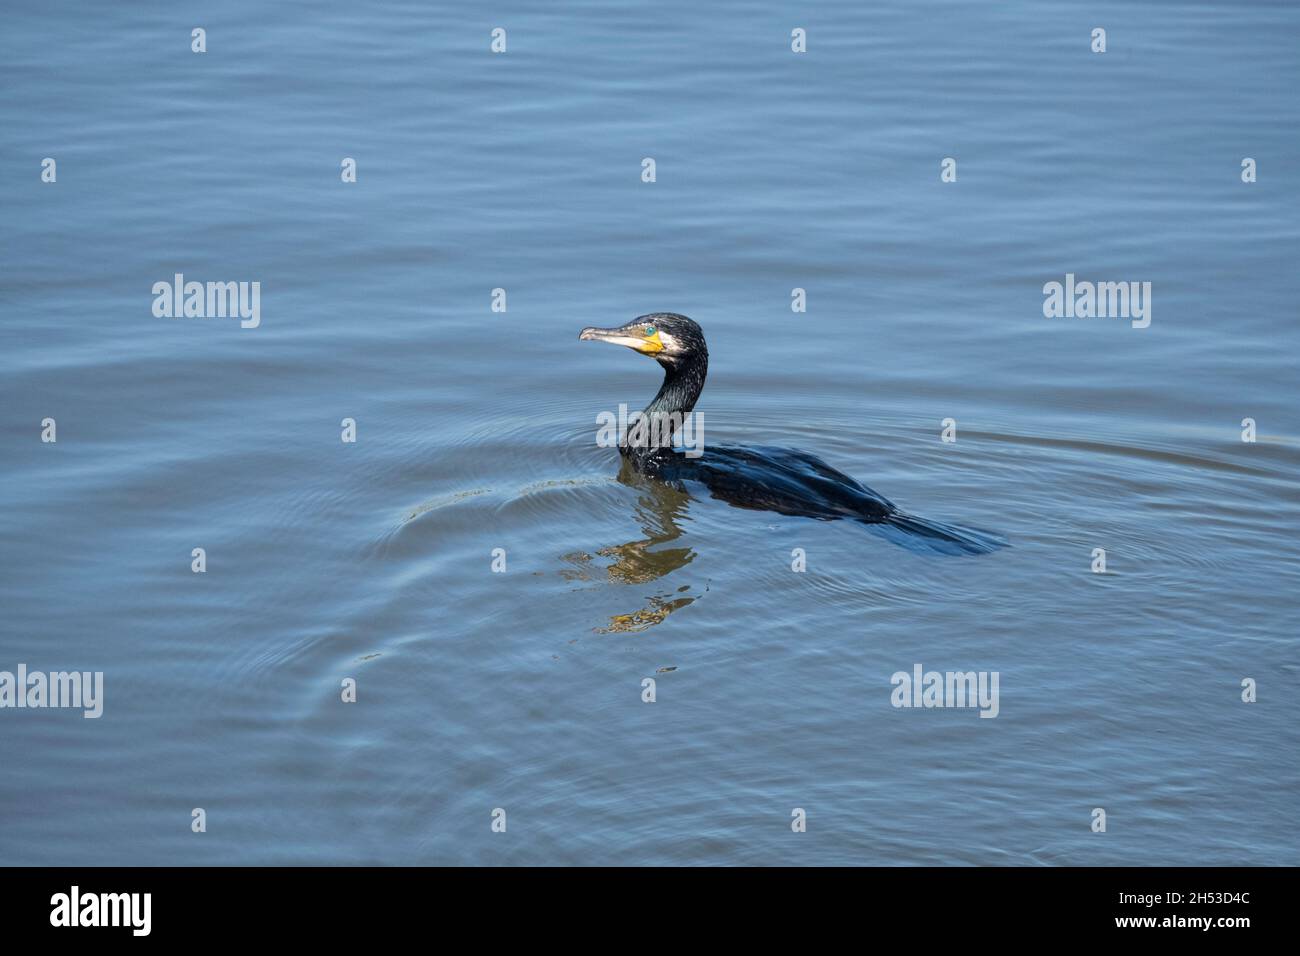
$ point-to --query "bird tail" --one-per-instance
(935, 537)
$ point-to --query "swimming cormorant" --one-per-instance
(783, 480)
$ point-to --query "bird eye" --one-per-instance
(649, 330)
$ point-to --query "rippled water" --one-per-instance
(522, 690)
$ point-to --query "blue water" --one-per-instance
(522, 690)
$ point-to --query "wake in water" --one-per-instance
(934, 537)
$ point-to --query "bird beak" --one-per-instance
(622, 337)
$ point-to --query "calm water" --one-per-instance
(476, 430)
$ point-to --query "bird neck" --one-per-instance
(683, 382)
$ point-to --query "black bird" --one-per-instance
(783, 480)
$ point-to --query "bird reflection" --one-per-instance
(659, 506)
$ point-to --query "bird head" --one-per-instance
(667, 337)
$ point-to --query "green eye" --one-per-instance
(649, 330)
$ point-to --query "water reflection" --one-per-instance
(659, 508)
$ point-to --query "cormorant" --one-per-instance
(783, 480)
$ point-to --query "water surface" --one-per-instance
(476, 431)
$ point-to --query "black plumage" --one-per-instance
(764, 478)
